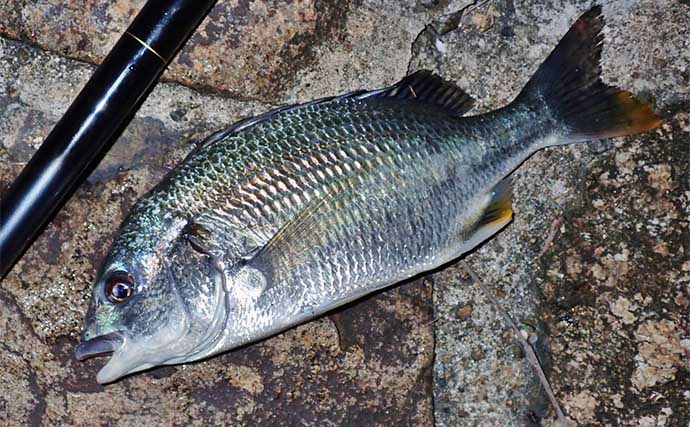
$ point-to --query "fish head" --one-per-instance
(152, 307)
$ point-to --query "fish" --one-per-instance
(287, 215)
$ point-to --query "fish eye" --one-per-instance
(119, 287)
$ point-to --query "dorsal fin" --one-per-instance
(425, 86)
(421, 86)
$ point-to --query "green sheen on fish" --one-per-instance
(292, 213)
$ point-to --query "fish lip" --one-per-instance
(100, 346)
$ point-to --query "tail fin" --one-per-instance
(569, 81)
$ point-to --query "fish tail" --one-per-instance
(569, 82)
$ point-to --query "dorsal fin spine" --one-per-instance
(421, 86)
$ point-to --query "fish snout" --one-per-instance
(100, 345)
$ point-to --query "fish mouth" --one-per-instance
(127, 355)
(100, 346)
(113, 344)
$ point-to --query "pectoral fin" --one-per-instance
(290, 246)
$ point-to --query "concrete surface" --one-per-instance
(595, 266)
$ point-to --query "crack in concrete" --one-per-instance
(200, 89)
(452, 24)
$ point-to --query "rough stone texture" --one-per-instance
(617, 287)
(249, 49)
(607, 298)
(595, 265)
(369, 364)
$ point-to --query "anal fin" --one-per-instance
(500, 208)
(496, 215)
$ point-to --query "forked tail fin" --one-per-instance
(569, 82)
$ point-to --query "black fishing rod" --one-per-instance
(93, 122)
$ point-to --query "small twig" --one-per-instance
(529, 351)
(549, 237)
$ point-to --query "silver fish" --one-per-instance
(292, 213)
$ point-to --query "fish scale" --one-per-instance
(292, 213)
(399, 138)
(284, 158)
(402, 241)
